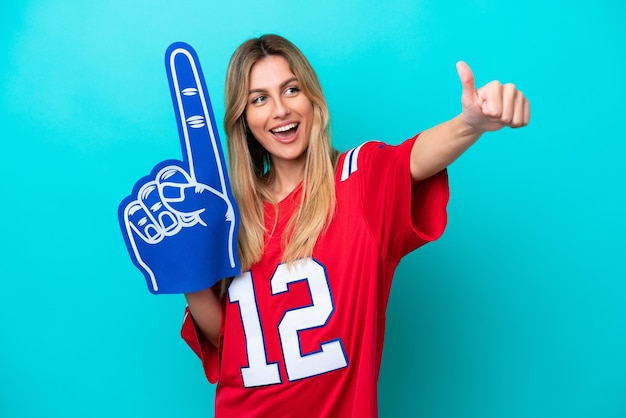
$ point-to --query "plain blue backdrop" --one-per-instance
(517, 311)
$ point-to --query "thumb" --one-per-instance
(467, 80)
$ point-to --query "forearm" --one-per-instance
(439, 146)
(206, 310)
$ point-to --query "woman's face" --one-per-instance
(278, 113)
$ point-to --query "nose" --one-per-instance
(281, 109)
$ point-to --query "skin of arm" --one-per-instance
(489, 108)
(206, 310)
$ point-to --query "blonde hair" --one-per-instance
(251, 165)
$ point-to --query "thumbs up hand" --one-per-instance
(493, 106)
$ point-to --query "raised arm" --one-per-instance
(488, 108)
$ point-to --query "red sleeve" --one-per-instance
(207, 352)
(403, 215)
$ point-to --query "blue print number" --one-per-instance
(331, 355)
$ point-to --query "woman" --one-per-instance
(300, 331)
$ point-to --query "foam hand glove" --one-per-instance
(180, 222)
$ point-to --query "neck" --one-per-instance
(286, 178)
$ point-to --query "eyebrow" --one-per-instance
(282, 86)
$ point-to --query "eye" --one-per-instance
(292, 91)
(259, 100)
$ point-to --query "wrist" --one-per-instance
(463, 129)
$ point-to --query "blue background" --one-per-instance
(517, 311)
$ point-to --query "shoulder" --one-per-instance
(349, 161)
(371, 156)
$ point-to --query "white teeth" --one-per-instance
(285, 128)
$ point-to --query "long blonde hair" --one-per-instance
(251, 166)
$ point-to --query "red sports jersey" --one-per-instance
(306, 340)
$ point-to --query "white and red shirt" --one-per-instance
(306, 340)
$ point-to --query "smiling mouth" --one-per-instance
(285, 131)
